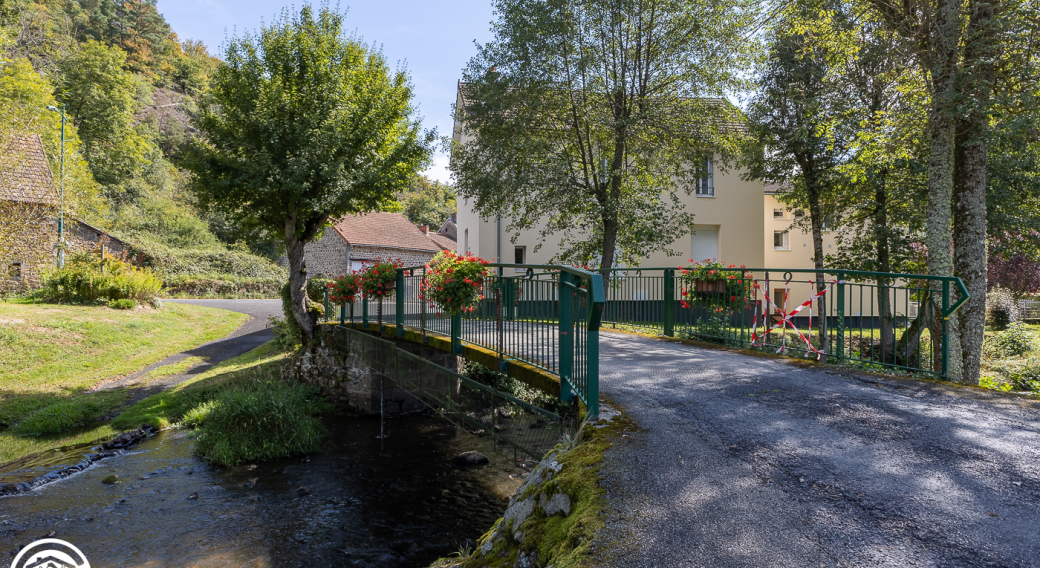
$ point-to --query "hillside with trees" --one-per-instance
(129, 85)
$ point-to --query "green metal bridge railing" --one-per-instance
(872, 319)
(547, 316)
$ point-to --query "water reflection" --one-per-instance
(349, 505)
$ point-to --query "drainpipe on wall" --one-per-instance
(498, 240)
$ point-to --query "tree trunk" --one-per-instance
(942, 61)
(298, 280)
(969, 191)
(816, 220)
(884, 264)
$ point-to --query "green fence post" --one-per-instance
(566, 333)
(669, 302)
(325, 304)
(945, 331)
(342, 315)
(456, 334)
(364, 313)
(839, 313)
(399, 308)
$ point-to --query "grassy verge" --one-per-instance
(52, 353)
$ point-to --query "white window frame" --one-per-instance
(781, 214)
(706, 186)
(786, 240)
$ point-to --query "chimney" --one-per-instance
(425, 229)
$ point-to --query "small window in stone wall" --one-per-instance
(14, 272)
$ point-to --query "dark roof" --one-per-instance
(25, 174)
(389, 230)
(444, 241)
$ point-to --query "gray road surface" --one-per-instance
(253, 333)
(748, 461)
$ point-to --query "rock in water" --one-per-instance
(471, 458)
(303, 491)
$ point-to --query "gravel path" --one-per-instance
(749, 461)
(250, 335)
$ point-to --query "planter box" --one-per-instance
(390, 285)
(711, 286)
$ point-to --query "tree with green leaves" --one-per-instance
(428, 202)
(587, 119)
(98, 92)
(302, 125)
(793, 142)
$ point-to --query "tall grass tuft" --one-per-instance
(263, 419)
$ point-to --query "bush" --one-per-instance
(200, 262)
(265, 419)
(122, 304)
(85, 278)
(1001, 309)
(1014, 341)
(223, 286)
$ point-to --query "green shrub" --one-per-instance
(223, 286)
(1014, 341)
(200, 262)
(123, 304)
(85, 279)
(515, 388)
(1001, 309)
(264, 419)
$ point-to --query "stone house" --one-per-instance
(356, 239)
(29, 218)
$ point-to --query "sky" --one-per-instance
(433, 39)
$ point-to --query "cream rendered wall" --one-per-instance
(799, 253)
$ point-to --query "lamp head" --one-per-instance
(51, 108)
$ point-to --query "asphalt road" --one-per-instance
(250, 335)
(749, 461)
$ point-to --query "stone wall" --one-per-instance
(351, 383)
(328, 256)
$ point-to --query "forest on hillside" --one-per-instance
(130, 86)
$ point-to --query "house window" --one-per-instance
(799, 215)
(466, 241)
(780, 240)
(520, 257)
(778, 213)
(15, 271)
(706, 185)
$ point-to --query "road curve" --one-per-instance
(751, 461)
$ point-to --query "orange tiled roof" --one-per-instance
(25, 174)
(444, 241)
(389, 230)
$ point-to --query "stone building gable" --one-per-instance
(328, 256)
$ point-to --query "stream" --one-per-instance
(349, 505)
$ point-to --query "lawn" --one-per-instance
(51, 353)
(162, 409)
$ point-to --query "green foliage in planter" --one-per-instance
(736, 291)
(378, 278)
(453, 282)
(344, 289)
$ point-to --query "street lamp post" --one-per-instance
(61, 183)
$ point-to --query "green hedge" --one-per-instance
(222, 286)
(170, 261)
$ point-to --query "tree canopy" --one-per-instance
(586, 119)
(304, 124)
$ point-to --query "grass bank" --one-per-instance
(52, 355)
(562, 541)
